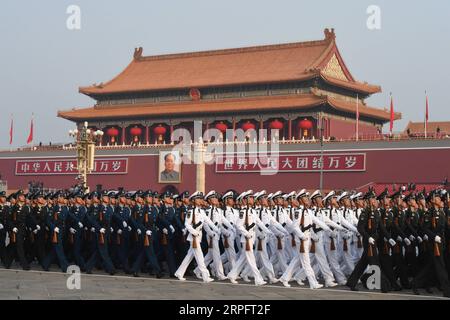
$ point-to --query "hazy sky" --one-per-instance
(42, 63)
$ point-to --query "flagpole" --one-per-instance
(426, 113)
(391, 123)
(11, 128)
(357, 117)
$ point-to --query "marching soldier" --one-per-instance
(433, 228)
(277, 245)
(38, 219)
(76, 222)
(121, 225)
(145, 222)
(195, 220)
(369, 227)
(248, 220)
(215, 214)
(4, 212)
(17, 220)
(180, 244)
(229, 235)
(167, 221)
(56, 223)
(99, 219)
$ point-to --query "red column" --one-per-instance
(290, 129)
(147, 134)
(123, 134)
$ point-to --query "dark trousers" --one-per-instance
(56, 253)
(411, 260)
(122, 243)
(181, 248)
(3, 258)
(16, 251)
(361, 267)
(434, 267)
(37, 246)
(77, 249)
(100, 255)
(168, 255)
(146, 253)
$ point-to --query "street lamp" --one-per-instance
(85, 140)
(321, 127)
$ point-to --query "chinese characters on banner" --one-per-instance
(69, 166)
(291, 163)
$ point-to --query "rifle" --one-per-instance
(247, 227)
(302, 222)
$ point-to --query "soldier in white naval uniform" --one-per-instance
(278, 244)
(229, 234)
(195, 221)
(301, 226)
(215, 214)
(247, 222)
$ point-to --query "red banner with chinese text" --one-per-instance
(291, 162)
(69, 166)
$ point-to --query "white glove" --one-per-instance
(80, 224)
(148, 232)
(314, 237)
(437, 239)
(371, 240)
(407, 241)
(102, 230)
(334, 234)
(165, 231)
(196, 234)
(392, 242)
(399, 238)
(119, 231)
(38, 227)
(184, 231)
(425, 237)
(139, 231)
(420, 239)
(35, 231)
(56, 229)
(92, 229)
(129, 228)
(112, 230)
(124, 224)
(304, 238)
(15, 230)
(412, 238)
(172, 229)
(1, 226)
(72, 230)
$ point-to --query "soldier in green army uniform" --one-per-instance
(433, 227)
(370, 228)
(402, 241)
(386, 245)
(412, 232)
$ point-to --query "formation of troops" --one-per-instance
(314, 238)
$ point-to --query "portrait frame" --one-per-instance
(162, 170)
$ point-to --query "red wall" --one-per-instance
(409, 165)
(345, 129)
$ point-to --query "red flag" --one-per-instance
(11, 132)
(30, 136)
(391, 125)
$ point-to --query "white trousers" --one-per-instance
(262, 259)
(198, 255)
(301, 259)
(246, 258)
(333, 258)
(320, 259)
(213, 255)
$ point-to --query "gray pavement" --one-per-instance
(16, 284)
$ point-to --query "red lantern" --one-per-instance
(160, 131)
(305, 125)
(248, 126)
(222, 127)
(276, 125)
(112, 133)
(136, 133)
